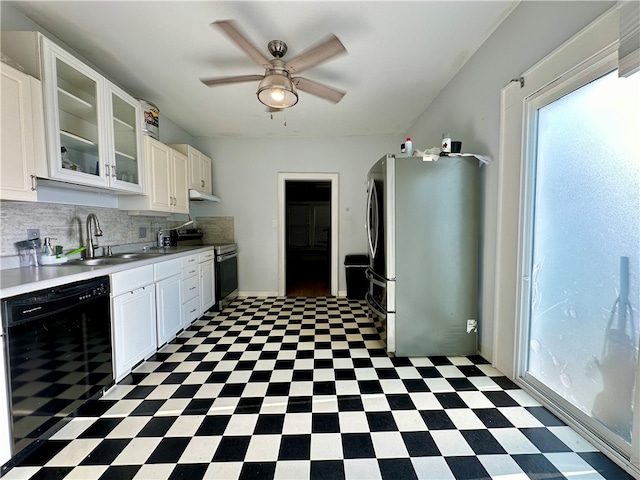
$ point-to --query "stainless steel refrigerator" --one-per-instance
(423, 235)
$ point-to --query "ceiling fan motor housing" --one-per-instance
(277, 48)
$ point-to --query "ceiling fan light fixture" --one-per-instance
(277, 91)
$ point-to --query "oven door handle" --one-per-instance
(226, 256)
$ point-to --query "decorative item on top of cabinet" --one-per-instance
(199, 168)
(92, 129)
(165, 182)
(21, 133)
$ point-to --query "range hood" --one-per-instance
(196, 196)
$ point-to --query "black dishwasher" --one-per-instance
(59, 354)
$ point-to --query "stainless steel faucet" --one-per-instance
(91, 246)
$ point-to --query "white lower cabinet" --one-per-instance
(168, 299)
(151, 304)
(207, 280)
(133, 314)
(190, 290)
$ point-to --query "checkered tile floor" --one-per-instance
(301, 388)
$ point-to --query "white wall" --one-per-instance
(469, 108)
(245, 177)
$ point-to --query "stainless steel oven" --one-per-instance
(58, 344)
(226, 281)
(226, 274)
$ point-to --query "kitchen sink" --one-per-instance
(93, 262)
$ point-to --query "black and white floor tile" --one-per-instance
(296, 388)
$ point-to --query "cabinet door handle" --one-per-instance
(191, 311)
(202, 183)
(34, 183)
(113, 171)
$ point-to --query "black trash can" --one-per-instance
(357, 284)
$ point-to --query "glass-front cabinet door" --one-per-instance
(125, 159)
(93, 136)
(73, 106)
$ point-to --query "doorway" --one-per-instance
(308, 238)
(307, 211)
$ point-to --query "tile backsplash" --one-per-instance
(67, 225)
(217, 229)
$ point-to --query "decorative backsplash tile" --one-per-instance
(217, 229)
(67, 224)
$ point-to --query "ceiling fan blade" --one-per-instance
(313, 56)
(318, 89)
(210, 82)
(237, 36)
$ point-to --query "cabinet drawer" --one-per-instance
(130, 280)
(190, 288)
(190, 260)
(203, 257)
(188, 272)
(167, 269)
(190, 311)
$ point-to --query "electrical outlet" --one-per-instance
(33, 233)
(142, 232)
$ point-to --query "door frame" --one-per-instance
(283, 177)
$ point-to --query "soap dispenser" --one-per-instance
(46, 248)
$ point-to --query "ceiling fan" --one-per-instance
(278, 87)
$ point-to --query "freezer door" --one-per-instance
(378, 296)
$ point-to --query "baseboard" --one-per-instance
(251, 293)
(248, 293)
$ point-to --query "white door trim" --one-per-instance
(316, 177)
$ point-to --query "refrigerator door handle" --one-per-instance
(374, 278)
(374, 306)
(369, 216)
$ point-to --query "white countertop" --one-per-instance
(17, 281)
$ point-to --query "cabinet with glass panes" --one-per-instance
(92, 131)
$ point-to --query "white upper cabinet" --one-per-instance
(92, 132)
(76, 140)
(21, 139)
(199, 168)
(126, 169)
(165, 181)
